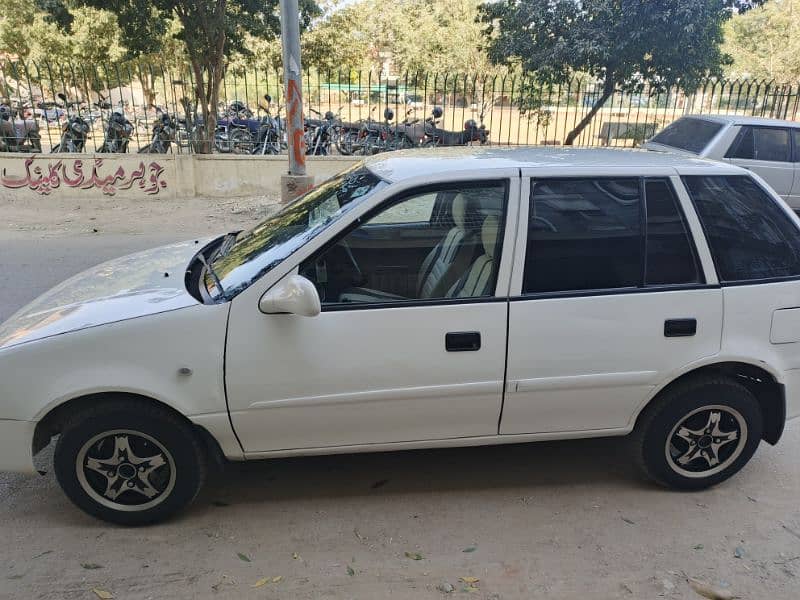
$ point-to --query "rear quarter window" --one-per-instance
(750, 235)
(688, 133)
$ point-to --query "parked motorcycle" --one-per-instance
(118, 133)
(271, 136)
(164, 130)
(236, 130)
(73, 135)
(17, 133)
(436, 136)
(319, 133)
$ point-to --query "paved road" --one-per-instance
(556, 520)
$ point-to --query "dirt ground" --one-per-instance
(561, 520)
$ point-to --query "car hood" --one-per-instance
(132, 286)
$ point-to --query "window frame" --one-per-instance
(641, 287)
(738, 138)
(506, 246)
(776, 200)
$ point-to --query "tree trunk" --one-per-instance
(608, 90)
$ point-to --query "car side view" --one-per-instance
(441, 298)
(768, 147)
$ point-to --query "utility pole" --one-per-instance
(295, 182)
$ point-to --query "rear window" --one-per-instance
(688, 134)
(750, 235)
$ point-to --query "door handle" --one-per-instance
(680, 327)
(462, 341)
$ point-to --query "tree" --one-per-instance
(212, 30)
(764, 42)
(625, 43)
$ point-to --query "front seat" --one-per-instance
(443, 265)
(477, 281)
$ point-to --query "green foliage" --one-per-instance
(765, 42)
(83, 35)
(622, 43)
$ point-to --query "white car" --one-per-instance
(426, 299)
(768, 147)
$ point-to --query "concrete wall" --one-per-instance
(167, 176)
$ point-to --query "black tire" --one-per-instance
(169, 454)
(689, 407)
(240, 142)
(148, 149)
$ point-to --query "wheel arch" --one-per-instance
(763, 384)
(53, 421)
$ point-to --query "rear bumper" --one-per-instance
(16, 446)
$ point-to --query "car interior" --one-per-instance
(435, 244)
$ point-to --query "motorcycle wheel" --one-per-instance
(103, 149)
(148, 149)
(241, 142)
(344, 143)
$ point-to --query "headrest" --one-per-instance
(489, 232)
(465, 209)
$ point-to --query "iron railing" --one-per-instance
(512, 106)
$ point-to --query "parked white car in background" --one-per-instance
(443, 298)
(768, 147)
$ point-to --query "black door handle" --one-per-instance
(462, 341)
(680, 327)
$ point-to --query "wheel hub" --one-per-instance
(126, 470)
(706, 441)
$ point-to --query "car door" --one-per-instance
(388, 360)
(766, 151)
(608, 298)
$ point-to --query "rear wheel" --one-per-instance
(699, 433)
(129, 462)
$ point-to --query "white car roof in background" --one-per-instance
(404, 164)
(745, 120)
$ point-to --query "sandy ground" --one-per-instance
(564, 520)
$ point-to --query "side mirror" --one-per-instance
(293, 294)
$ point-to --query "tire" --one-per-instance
(85, 455)
(698, 407)
(148, 149)
(240, 142)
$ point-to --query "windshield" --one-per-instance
(245, 259)
(689, 134)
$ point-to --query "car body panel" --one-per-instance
(132, 286)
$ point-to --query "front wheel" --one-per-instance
(129, 462)
(699, 433)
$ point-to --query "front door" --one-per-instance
(612, 300)
(411, 341)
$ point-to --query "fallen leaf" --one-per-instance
(752, 499)
(243, 557)
(277, 578)
(414, 555)
(350, 571)
(379, 484)
(708, 591)
(470, 549)
(295, 555)
(628, 521)
(45, 553)
(91, 566)
(469, 580)
(697, 547)
(102, 594)
(260, 582)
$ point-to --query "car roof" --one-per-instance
(745, 120)
(404, 164)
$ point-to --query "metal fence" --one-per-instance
(514, 109)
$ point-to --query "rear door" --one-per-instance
(609, 299)
(766, 151)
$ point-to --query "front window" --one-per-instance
(249, 255)
(688, 133)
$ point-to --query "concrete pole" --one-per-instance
(295, 182)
